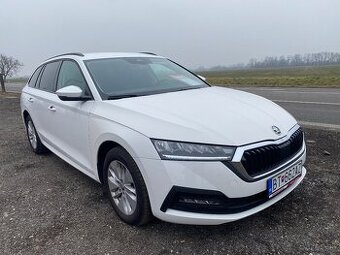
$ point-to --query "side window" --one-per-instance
(48, 77)
(34, 78)
(70, 74)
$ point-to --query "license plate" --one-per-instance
(282, 180)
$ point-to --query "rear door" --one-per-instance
(28, 98)
(44, 95)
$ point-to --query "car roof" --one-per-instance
(99, 55)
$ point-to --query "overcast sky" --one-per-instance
(192, 32)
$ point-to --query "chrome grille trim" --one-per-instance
(236, 166)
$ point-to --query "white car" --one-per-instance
(161, 140)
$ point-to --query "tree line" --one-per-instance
(309, 59)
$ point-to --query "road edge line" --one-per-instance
(318, 125)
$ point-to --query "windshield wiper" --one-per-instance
(188, 88)
(113, 97)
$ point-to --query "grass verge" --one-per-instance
(316, 76)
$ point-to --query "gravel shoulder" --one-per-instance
(48, 207)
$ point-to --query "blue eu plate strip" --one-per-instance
(269, 185)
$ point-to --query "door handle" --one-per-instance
(52, 108)
(31, 100)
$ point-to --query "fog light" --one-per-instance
(198, 201)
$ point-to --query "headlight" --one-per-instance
(192, 151)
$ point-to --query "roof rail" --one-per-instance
(149, 53)
(70, 53)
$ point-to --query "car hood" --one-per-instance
(213, 115)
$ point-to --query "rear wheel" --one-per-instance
(125, 186)
(33, 137)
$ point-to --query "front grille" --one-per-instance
(262, 159)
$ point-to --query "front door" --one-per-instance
(69, 119)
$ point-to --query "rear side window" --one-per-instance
(34, 78)
(48, 78)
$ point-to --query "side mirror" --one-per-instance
(201, 77)
(71, 93)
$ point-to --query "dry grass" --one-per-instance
(321, 76)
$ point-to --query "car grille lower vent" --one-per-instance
(262, 159)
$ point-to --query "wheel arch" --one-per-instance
(105, 143)
(103, 149)
(25, 114)
(134, 143)
(136, 148)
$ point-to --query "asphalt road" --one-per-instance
(316, 106)
(311, 106)
(48, 207)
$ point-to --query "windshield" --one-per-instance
(136, 76)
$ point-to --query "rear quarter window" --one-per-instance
(34, 78)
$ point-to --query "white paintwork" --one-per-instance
(209, 219)
(69, 91)
(75, 130)
(213, 115)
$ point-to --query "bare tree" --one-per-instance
(8, 67)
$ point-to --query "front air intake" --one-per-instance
(209, 201)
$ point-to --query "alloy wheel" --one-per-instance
(122, 187)
(32, 136)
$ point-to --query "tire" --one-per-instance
(123, 182)
(33, 137)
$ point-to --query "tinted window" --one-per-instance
(70, 74)
(34, 78)
(48, 78)
(139, 76)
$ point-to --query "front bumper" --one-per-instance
(162, 175)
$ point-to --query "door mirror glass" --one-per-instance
(71, 93)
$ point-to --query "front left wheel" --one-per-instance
(125, 186)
